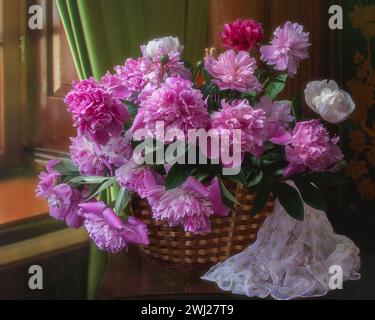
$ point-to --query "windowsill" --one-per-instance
(18, 201)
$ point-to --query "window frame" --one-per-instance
(12, 87)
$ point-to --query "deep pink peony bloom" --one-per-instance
(96, 112)
(110, 232)
(233, 71)
(311, 147)
(240, 115)
(95, 159)
(190, 205)
(242, 35)
(128, 80)
(288, 47)
(176, 103)
(138, 179)
(62, 199)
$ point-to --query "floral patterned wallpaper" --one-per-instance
(359, 74)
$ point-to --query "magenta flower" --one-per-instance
(110, 232)
(95, 159)
(288, 47)
(128, 80)
(62, 199)
(138, 179)
(233, 71)
(240, 115)
(95, 110)
(311, 147)
(47, 180)
(176, 103)
(242, 35)
(190, 205)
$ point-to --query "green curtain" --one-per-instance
(103, 33)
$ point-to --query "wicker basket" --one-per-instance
(173, 247)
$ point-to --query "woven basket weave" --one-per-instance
(175, 248)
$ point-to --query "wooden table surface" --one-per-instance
(129, 276)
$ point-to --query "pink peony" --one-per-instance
(94, 159)
(240, 115)
(110, 232)
(62, 199)
(156, 72)
(233, 71)
(176, 103)
(128, 80)
(311, 147)
(138, 179)
(278, 119)
(190, 205)
(280, 111)
(95, 110)
(242, 35)
(288, 47)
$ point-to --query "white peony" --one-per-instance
(326, 99)
(161, 46)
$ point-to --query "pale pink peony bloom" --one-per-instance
(280, 111)
(278, 118)
(233, 71)
(241, 35)
(156, 71)
(288, 47)
(311, 148)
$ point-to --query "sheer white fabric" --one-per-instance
(290, 259)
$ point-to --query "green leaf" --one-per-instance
(255, 178)
(276, 85)
(104, 186)
(88, 180)
(206, 75)
(326, 179)
(290, 200)
(66, 167)
(261, 197)
(297, 107)
(132, 109)
(311, 194)
(227, 194)
(122, 200)
(176, 176)
(240, 178)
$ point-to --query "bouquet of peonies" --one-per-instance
(173, 134)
